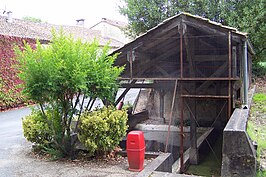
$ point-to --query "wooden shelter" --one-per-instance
(197, 71)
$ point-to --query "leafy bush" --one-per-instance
(103, 129)
(36, 129)
(60, 76)
(259, 69)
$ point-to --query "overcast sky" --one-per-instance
(64, 12)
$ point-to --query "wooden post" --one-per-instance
(193, 152)
(229, 73)
(171, 115)
(162, 105)
(182, 102)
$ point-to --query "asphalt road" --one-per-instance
(11, 138)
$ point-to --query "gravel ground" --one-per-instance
(17, 160)
(20, 162)
(23, 164)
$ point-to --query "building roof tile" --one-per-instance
(42, 31)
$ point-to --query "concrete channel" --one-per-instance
(167, 164)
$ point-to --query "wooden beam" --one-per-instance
(153, 33)
(125, 92)
(162, 71)
(158, 41)
(217, 73)
(203, 58)
(152, 85)
(205, 26)
(190, 54)
(205, 96)
(162, 105)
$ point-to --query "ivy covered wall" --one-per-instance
(10, 96)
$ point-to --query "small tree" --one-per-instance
(61, 76)
(32, 19)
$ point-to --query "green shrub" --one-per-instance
(259, 69)
(35, 128)
(103, 129)
(61, 76)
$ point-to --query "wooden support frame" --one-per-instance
(162, 105)
(138, 85)
(205, 96)
(182, 168)
(171, 115)
(229, 73)
(125, 92)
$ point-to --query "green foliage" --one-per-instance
(32, 19)
(146, 14)
(259, 68)
(67, 67)
(260, 98)
(102, 130)
(59, 77)
(261, 174)
(246, 15)
(256, 129)
(35, 128)
(257, 133)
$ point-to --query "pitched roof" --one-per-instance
(42, 31)
(206, 21)
(116, 23)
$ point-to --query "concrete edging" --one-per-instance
(239, 155)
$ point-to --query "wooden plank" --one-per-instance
(217, 73)
(205, 96)
(153, 33)
(182, 79)
(203, 58)
(152, 85)
(162, 105)
(164, 73)
(158, 41)
(205, 26)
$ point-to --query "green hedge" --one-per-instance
(103, 129)
(36, 129)
(100, 131)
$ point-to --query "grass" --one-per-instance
(263, 64)
(258, 134)
(256, 126)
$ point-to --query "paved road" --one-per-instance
(11, 138)
(17, 161)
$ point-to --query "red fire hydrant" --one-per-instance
(135, 150)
